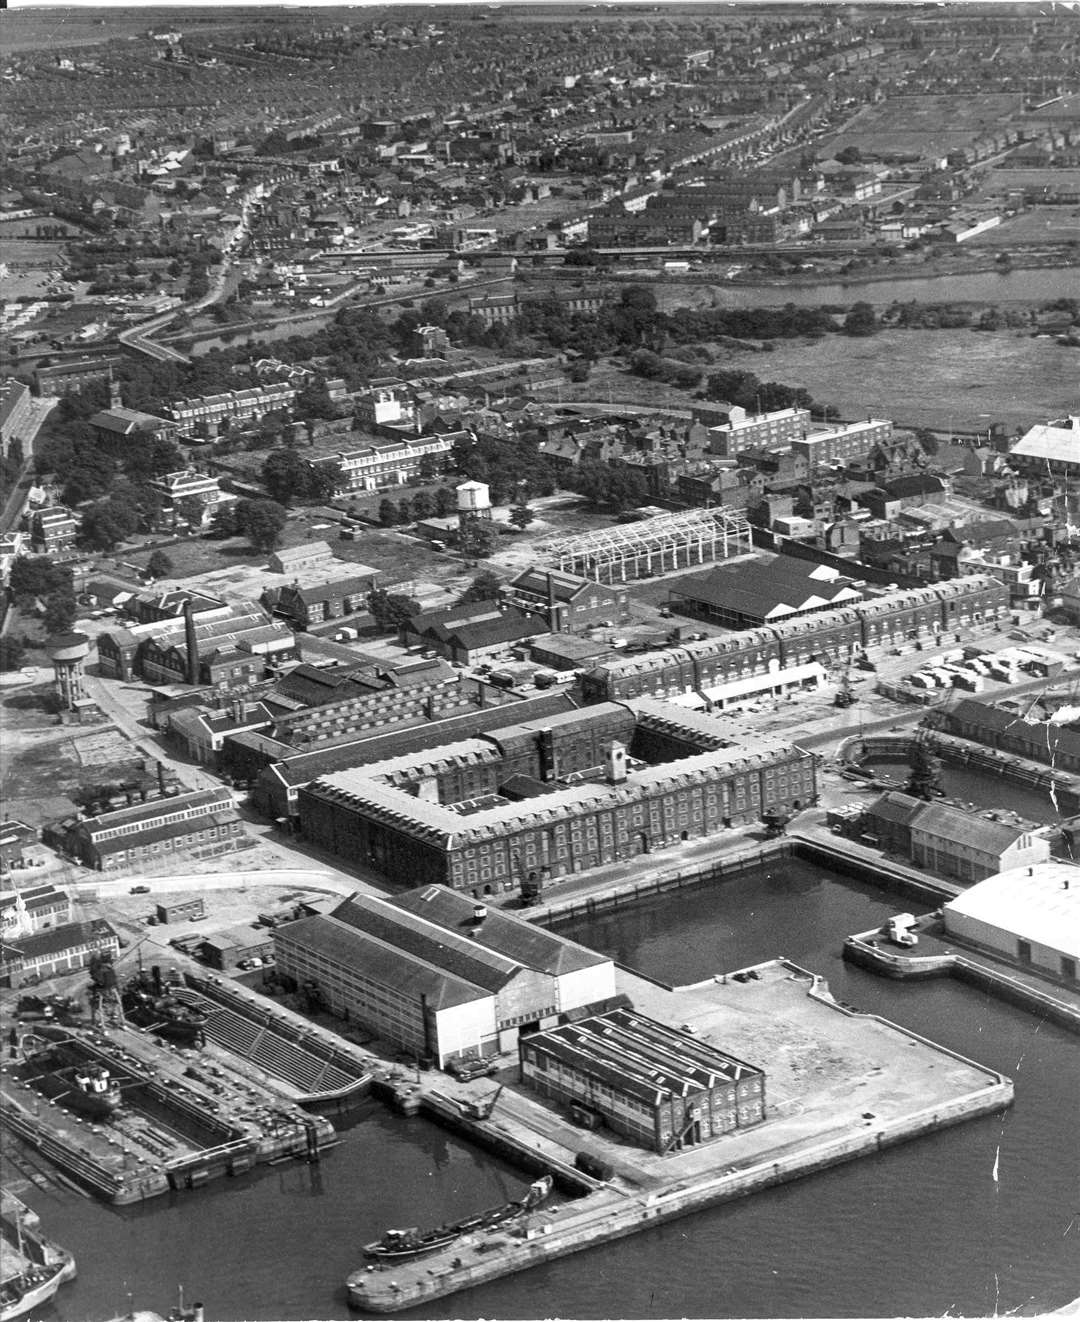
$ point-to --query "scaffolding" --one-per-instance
(660, 545)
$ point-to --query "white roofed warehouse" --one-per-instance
(1029, 914)
(439, 975)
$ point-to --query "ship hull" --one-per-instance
(16, 1300)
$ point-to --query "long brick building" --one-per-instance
(545, 798)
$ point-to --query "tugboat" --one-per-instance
(401, 1245)
(147, 1003)
(88, 1089)
(34, 1267)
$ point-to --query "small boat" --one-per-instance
(400, 1245)
(147, 1003)
(88, 1089)
(34, 1267)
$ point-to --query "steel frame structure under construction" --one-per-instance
(659, 545)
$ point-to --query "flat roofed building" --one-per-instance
(1028, 914)
(438, 975)
(660, 1087)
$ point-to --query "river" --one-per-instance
(1036, 285)
(918, 1231)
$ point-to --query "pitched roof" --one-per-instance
(411, 977)
(502, 933)
(1055, 442)
(770, 590)
(962, 828)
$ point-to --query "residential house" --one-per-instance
(53, 532)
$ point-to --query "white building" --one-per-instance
(439, 974)
(189, 483)
(1028, 914)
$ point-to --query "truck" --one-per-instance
(899, 930)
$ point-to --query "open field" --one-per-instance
(998, 182)
(1039, 225)
(923, 125)
(927, 378)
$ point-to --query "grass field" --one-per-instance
(926, 378)
(1039, 225)
(923, 125)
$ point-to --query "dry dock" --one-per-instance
(840, 1085)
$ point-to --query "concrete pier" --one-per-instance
(840, 1085)
(938, 958)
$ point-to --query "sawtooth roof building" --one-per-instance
(439, 975)
(768, 592)
(656, 1085)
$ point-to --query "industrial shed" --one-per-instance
(659, 1086)
(1028, 914)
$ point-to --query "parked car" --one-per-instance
(140, 890)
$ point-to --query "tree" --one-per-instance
(60, 611)
(479, 537)
(521, 516)
(262, 522)
(223, 523)
(388, 513)
(405, 511)
(391, 609)
(422, 505)
(108, 523)
(284, 475)
(34, 576)
(616, 484)
(12, 653)
(445, 502)
(159, 565)
(860, 320)
(486, 586)
(323, 482)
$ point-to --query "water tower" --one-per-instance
(67, 652)
(473, 501)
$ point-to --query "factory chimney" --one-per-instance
(191, 643)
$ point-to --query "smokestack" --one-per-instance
(155, 974)
(191, 642)
(161, 778)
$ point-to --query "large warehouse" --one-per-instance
(1028, 914)
(439, 975)
(660, 1087)
(558, 795)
